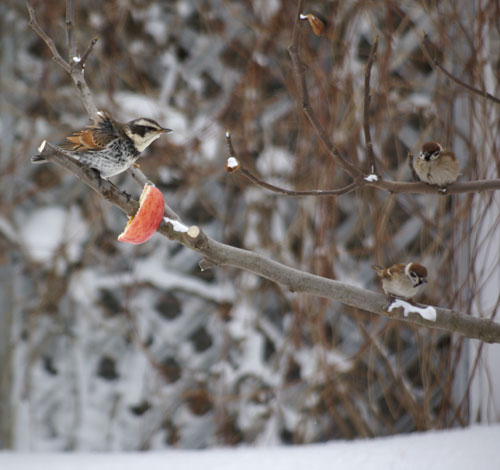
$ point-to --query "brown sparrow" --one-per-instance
(402, 280)
(436, 165)
(108, 146)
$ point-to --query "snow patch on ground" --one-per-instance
(458, 449)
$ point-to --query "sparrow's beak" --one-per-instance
(164, 129)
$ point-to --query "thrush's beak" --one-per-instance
(164, 129)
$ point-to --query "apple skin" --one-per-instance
(142, 226)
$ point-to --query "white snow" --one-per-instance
(76, 59)
(42, 146)
(232, 162)
(428, 313)
(458, 449)
(177, 226)
(49, 228)
(371, 178)
(303, 17)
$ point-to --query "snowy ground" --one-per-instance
(476, 447)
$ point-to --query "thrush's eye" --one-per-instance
(139, 130)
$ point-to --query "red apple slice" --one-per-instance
(143, 225)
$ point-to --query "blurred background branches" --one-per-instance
(107, 346)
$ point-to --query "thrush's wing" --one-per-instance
(94, 137)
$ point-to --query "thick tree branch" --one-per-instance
(220, 254)
(299, 69)
(397, 187)
(436, 65)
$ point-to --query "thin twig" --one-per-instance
(50, 43)
(299, 69)
(70, 34)
(366, 111)
(288, 192)
(437, 65)
(87, 52)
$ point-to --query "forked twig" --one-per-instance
(73, 67)
(56, 57)
(437, 65)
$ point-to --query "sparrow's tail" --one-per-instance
(38, 159)
(377, 268)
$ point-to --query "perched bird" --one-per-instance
(402, 280)
(436, 165)
(108, 146)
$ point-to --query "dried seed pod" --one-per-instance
(317, 25)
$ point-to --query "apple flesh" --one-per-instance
(142, 226)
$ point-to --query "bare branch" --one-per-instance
(437, 65)
(70, 34)
(50, 43)
(220, 254)
(87, 52)
(74, 68)
(394, 187)
(288, 192)
(299, 69)
(366, 111)
(397, 187)
(313, 192)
